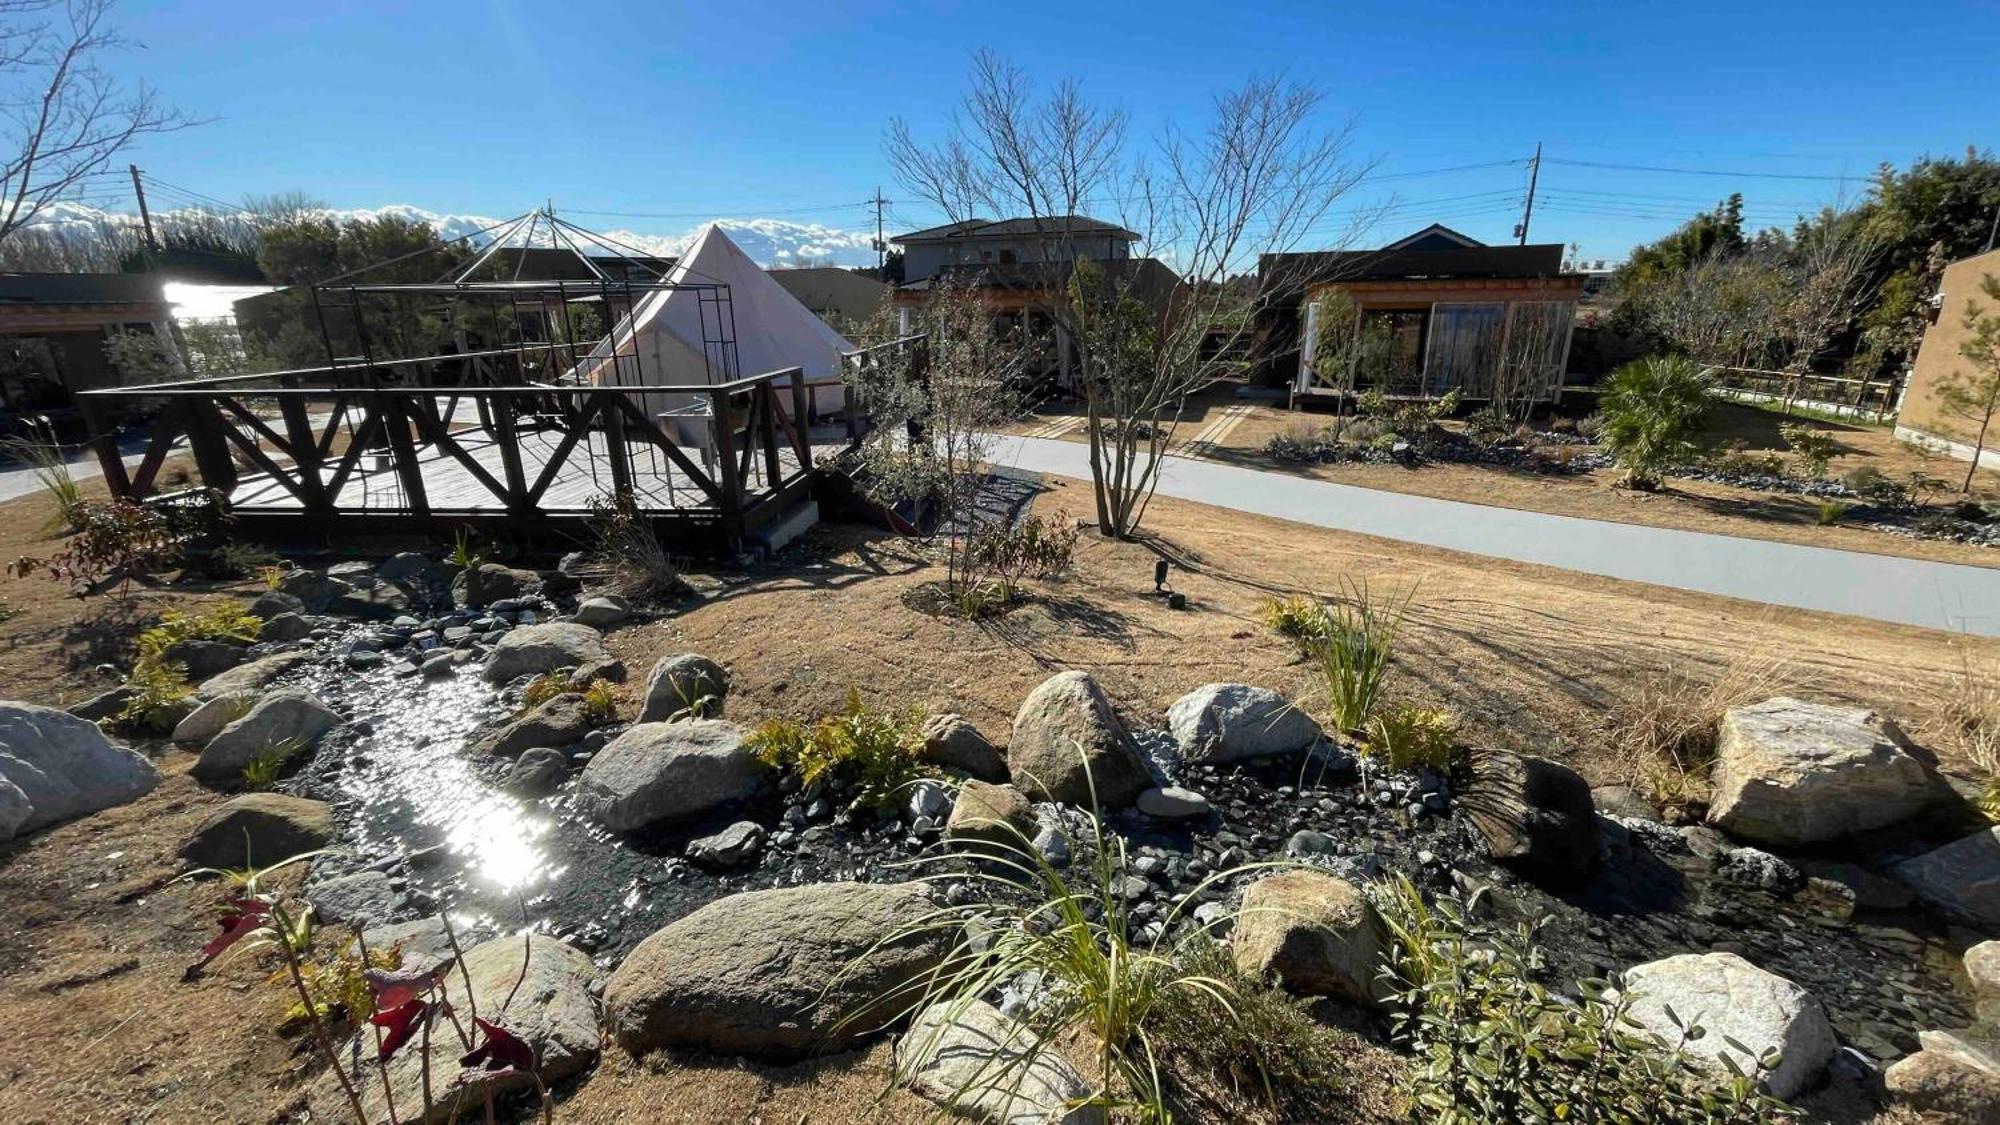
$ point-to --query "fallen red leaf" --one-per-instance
(394, 988)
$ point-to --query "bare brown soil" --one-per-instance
(96, 1024)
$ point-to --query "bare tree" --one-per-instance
(1718, 310)
(1255, 180)
(1826, 268)
(66, 118)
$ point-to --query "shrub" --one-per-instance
(160, 696)
(1812, 447)
(1665, 733)
(1485, 422)
(1738, 461)
(1654, 411)
(1297, 617)
(626, 546)
(1406, 737)
(1562, 424)
(1490, 1043)
(161, 685)
(1352, 652)
(1298, 441)
(600, 702)
(1036, 547)
(1590, 427)
(1372, 403)
(118, 539)
(1363, 430)
(265, 767)
(875, 752)
(1830, 512)
(1876, 487)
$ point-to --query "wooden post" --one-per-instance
(211, 449)
(615, 447)
(396, 425)
(104, 442)
(304, 446)
(507, 435)
(766, 395)
(800, 427)
(731, 481)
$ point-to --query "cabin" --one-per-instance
(1430, 314)
(54, 328)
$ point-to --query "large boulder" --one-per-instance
(273, 603)
(1067, 740)
(993, 816)
(561, 720)
(314, 590)
(686, 685)
(978, 1062)
(1731, 999)
(207, 720)
(1535, 815)
(544, 986)
(1962, 878)
(953, 742)
(1952, 1077)
(202, 658)
(259, 829)
(1230, 722)
(659, 773)
(538, 771)
(288, 722)
(491, 582)
(1982, 968)
(1791, 773)
(1317, 933)
(56, 767)
(412, 571)
(778, 973)
(251, 678)
(543, 648)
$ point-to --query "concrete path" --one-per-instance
(1904, 591)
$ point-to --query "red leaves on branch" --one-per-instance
(502, 1052)
(246, 916)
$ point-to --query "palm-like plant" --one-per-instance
(1654, 412)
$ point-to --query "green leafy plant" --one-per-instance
(115, 540)
(877, 752)
(1489, 1043)
(268, 764)
(1655, 410)
(1297, 617)
(1036, 547)
(464, 555)
(600, 700)
(1352, 650)
(1812, 448)
(160, 684)
(1830, 512)
(1406, 737)
(160, 696)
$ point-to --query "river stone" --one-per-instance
(953, 742)
(411, 570)
(538, 771)
(551, 1011)
(1230, 722)
(105, 705)
(1319, 934)
(273, 603)
(981, 1063)
(55, 767)
(778, 973)
(1730, 998)
(259, 829)
(314, 591)
(543, 648)
(380, 602)
(734, 846)
(560, 720)
(1952, 1077)
(659, 773)
(289, 716)
(603, 611)
(251, 678)
(1791, 773)
(1982, 967)
(682, 685)
(1962, 878)
(204, 658)
(984, 814)
(285, 628)
(490, 582)
(1067, 739)
(1535, 815)
(1173, 803)
(1623, 801)
(423, 944)
(366, 897)
(207, 720)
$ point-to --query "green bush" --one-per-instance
(1655, 410)
(876, 752)
(1813, 448)
(161, 685)
(1406, 737)
(1352, 651)
(1490, 1043)
(1297, 617)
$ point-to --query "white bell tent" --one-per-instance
(681, 336)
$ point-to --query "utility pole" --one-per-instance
(1993, 231)
(145, 216)
(881, 247)
(1527, 213)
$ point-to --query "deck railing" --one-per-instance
(1839, 394)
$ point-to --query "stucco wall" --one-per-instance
(1938, 358)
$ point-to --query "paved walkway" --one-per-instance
(1905, 591)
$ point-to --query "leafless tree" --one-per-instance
(66, 119)
(1256, 179)
(1825, 270)
(1719, 310)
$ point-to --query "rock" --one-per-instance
(560, 720)
(105, 705)
(1173, 803)
(1791, 773)
(366, 897)
(778, 973)
(1623, 801)
(284, 628)
(734, 846)
(291, 720)
(551, 1011)
(1982, 968)
(1319, 934)
(686, 685)
(953, 742)
(538, 771)
(995, 815)
(1962, 878)
(1067, 739)
(1950, 1077)
(411, 570)
(487, 583)
(55, 767)
(602, 612)
(259, 829)
(658, 773)
(543, 648)
(1535, 815)
(423, 943)
(204, 658)
(1230, 722)
(313, 590)
(251, 678)
(380, 602)
(1729, 998)
(275, 603)
(980, 1063)
(207, 720)
(1760, 869)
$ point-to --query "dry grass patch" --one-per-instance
(1665, 733)
(1963, 725)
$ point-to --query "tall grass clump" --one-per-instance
(45, 457)
(1964, 723)
(1490, 1043)
(1665, 733)
(1352, 650)
(624, 544)
(1655, 410)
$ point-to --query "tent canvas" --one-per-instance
(771, 329)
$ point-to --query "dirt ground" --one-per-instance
(96, 1024)
(1689, 505)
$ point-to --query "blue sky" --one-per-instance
(670, 114)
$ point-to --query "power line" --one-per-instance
(1701, 171)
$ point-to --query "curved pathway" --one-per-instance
(1932, 595)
